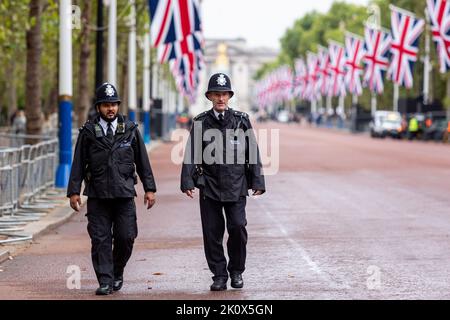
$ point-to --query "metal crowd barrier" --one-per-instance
(27, 173)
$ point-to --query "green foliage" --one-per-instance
(316, 28)
(15, 21)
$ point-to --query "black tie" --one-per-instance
(109, 132)
(221, 117)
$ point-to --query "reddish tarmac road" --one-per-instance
(346, 217)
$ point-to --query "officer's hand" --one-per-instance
(257, 192)
(75, 202)
(149, 198)
(190, 193)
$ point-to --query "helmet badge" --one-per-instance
(109, 91)
(221, 80)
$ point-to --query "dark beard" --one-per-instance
(106, 119)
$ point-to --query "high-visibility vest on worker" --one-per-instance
(413, 125)
(448, 127)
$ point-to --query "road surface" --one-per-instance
(346, 217)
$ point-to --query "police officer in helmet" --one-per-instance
(108, 151)
(223, 184)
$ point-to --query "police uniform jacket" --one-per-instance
(222, 181)
(108, 168)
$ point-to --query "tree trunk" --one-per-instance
(123, 93)
(33, 109)
(11, 87)
(84, 103)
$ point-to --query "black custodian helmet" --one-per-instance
(106, 93)
(219, 82)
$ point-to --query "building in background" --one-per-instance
(240, 62)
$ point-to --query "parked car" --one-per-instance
(283, 116)
(386, 124)
(436, 131)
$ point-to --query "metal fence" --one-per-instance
(27, 176)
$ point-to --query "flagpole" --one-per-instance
(374, 22)
(313, 106)
(146, 86)
(402, 11)
(132, 99)
(373, 101)
(396, 92)
(426, 62)
(329, 106)
(65, 91)
(112, 43)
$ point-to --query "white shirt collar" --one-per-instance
(104, 125)
(217, 113)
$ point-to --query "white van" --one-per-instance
(386, 124)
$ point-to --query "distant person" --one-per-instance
(413, 128)
(18, 128)
(19, 123)
(404, 126)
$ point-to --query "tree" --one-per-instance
(33, 103)
(12, 46)
(83, 104)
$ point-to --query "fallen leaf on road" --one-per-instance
(157, 273)
(142, 259)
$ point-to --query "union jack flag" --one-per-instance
(322, 83)
(173, 20)
(354, 52)
(377, 44)
(176, 32)
(406, 30)
(337, 72)
(439, 12)
(301, 77)
(313, 68)
(190, 45)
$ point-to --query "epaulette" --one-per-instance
(240, 114)
(84, 125)
(201, 115)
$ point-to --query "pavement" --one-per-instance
(345, 217)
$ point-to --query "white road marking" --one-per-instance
(304, 255)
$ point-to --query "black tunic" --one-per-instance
(224, 181)
(108, 168)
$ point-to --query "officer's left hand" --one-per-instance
(149, 199)
(257, 192)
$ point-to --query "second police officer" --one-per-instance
(223, 183)
(108, 151)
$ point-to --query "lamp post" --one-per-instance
(65, 94)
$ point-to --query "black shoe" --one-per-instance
(236, 280)
(219, 284)
(104, 290)
(117, 284)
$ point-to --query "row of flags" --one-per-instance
(362, 62)
(176, 32)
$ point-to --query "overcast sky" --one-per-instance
(260, 22)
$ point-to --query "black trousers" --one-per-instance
(112, 227)
(213, 225)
